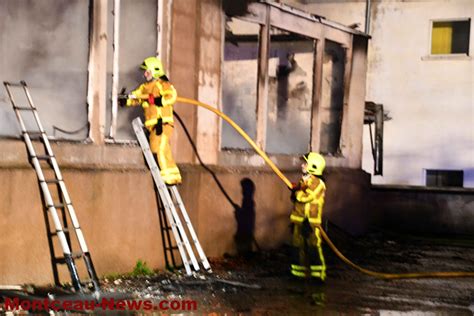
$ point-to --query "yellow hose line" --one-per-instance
(244, 135)
(325, 236)
(393, 275)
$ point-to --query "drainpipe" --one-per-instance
(115, 69)
(367, 16)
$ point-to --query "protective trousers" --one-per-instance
(307, 253)
(160, 145)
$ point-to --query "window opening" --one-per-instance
(291, 76)
(239, 90)
(450, 37)
(444, 178)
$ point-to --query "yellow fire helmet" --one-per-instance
(316, 163)
(154, 65)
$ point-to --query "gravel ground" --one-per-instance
(260, 284)
(265, 287)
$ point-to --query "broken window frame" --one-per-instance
(58, 130)
(272, 131)
(223, 144)
(110, 134)
(374, 114)
(267, 15)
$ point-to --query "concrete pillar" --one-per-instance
(96, 94)
(209, 68)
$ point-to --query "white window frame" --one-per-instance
(160, 20)
(429, 55)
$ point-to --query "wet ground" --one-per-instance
(260, 284)
(265, 287)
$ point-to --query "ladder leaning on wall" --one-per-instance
(172, 203)
(49, 175)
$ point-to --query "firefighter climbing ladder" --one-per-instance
(172, 202)
(61, 231)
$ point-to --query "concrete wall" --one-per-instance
(426, 96)
(113, 195)
(423, 210)
(113, 192)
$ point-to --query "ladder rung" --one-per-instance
(52, 181)
(59, 205)
(34, 133)
(43, 157)
(87, 282)
(65, 230)
(11, 84)
(171, 248)
(24, 108)
(74, 255)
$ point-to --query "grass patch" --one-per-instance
(141, 269)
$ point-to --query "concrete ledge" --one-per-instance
(423, 210)
(73, 155)
(116, 204)
(416, 188)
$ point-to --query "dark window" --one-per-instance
(332, 98)
(450, 37)
(444, 178)
(46, 44)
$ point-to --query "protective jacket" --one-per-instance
(308, 200)
(157, 98)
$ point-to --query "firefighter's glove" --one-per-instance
(122, 101)
(293, 196)
(122, 98)
(294, 187)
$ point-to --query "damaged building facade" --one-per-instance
(420, 69)
(294, 81)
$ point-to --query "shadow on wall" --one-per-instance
(245, 217)
(244, 214)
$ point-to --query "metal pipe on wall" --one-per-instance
(368, 4)
(159, 28)
(169, 22)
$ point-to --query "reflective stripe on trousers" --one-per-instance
(312, 254)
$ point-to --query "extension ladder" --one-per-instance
(168, 246)
(172, 202)
(54, 177)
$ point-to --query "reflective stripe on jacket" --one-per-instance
(309, 200)
(146, 94)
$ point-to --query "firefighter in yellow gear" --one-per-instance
(157, 97)
(308, 197)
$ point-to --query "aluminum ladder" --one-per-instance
(168, 246)
(172, 202)
(54, 177)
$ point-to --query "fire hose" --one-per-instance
(449, 274)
